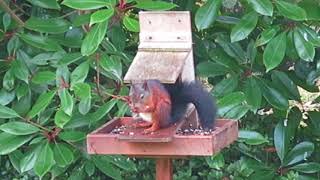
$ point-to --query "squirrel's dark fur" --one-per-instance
(167, 104)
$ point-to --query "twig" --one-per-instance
(7, 9)
(36, 124)
(97, 77)
(68, 14)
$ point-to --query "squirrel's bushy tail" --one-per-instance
(183, 93)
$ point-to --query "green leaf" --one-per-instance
(253, 94)
(45, 58)
(61, 118)
(101, 16)
(43, 77)
(89, 168)
(63, 155)
(293, 121)
(299, 153)
(267, 35)
(216, 161)
(252, 137)
(207, 14)
(9, 142)
(274, 97)
(81, 20)
(111, 67)
(15, 158)
(80, 73)
(18, 128)
(272, 58)
(41, 42)
(225, 86)
(7, 113)
(291, 11)
(86, 4)
(42, 102)
(85, 105)
(8, 80)
(103, 110)
(263, 7)
(49, 4)
(310, 35)
(227, 102)
(70, 58)
(304, 48)
(6, 97)
(66, 101)
(154, 5)
(219, 56)
(237, 112)
(20, 70)
(72, 136)
(232, 49)
(281, 140)
(29, 160)
(131, 24)
(106, 167)
(82, 90)
(53, 26)
(6, 20)
(247, 23)
(313, 9)
(120, 161)
(285, 85)
(211, 69)
(92, 40)
(309, 167)
(44, 161)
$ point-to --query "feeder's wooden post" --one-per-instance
(164, 169)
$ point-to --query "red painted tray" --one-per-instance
(165, 142)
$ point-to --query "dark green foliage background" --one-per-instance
(60, 61)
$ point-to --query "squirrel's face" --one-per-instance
(141, 98)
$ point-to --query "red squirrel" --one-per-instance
(161, 105)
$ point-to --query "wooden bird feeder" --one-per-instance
(165, 53)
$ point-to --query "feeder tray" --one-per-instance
(165, 53)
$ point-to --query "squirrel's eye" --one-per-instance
(141, 96)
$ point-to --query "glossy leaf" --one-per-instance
(247, 23)
(18, 128)
(49, 4)
(111, 67)
(63, 155)
(131, 24)
(29, 160)
(252, 137)
(272, 58)
(281, 140)
(103, 110)
(267, 35)
(6, 112)
(211, 69)
(101, 15)
(285, 85)
(15, 158)
(22, 90)
(312, 9)
(82, 90)
(207, 14)
(70, 58)
(291, 10)
(6, 21)
(9, 142)
(80, 73)
(237, 112)
(227, 102)
(44, 161)
(8, 80)
(310, 35)
(53, 26)
(93, 39)
(274, 97)
(66, 101)
(225, 86)
(309, 167)
(20, 70)
(232, 49)
(222, 58)
(154, 5)
(42, 102)
(304, 48)
(43, 77)
(85, 4)
(61, 118)
(263, 7)
(300, 152)
(41, 42)
(253, 94)
(106, 167)
(6, 97)
(72, 136)
(85, 105)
